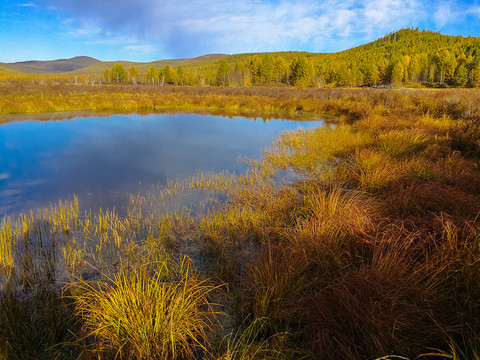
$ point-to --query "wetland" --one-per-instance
(368, 248)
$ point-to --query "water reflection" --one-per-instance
(103, 159)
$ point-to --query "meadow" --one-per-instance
(358, 240)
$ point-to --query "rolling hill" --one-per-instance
(99, 67)
(51, 66)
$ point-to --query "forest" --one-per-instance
(407, 57)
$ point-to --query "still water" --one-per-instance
(100, 159)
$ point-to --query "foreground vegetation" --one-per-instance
(358, 240)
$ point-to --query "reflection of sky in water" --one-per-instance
(95, 158)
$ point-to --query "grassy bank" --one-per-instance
(372, 251)
(352, 104)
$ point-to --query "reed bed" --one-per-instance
(359, 240)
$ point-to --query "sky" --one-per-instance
(149, 30)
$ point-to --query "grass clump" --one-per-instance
(151, 312)
(401, 144)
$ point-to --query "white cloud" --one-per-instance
(475, 10)
(143, 49)
(195, 27)
(443, 13)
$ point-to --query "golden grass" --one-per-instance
(151, 312)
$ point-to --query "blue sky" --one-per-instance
(148, 30)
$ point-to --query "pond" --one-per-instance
(103, 158)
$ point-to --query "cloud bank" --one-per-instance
(194, 27)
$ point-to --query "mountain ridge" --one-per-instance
(51, 66)
(60, 66)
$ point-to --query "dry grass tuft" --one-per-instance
(148, 313)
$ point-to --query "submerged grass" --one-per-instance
(358, 240)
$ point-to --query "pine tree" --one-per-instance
(475, 75)
(301, 72)
(461, 76)
(398, 72)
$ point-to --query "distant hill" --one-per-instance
(99, 67)
(51, 66)
(6, 71)
(405, 57)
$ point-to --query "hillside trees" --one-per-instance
(460, 77)
(301, 72)
(118, 74)
(372, 75)
(398, 73)
(222, 73)
(281, 70)
(152, 75)
(266, 69)
(407, 57)
(169, 76)
(475, 75)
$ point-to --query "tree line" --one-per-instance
(163, 76)
(408, 57)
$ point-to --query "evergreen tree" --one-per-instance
(461, 76)
(301, 72)
(372, 76)
(398, 73)
(475, 75)
(266, 68)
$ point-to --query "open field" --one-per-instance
(372, 251)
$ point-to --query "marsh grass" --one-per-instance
(151, 312)
(402, 144)
(244, 344)
(371, 249)
(275, 279)
(37, 321)
(334, 213)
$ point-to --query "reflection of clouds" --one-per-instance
(103, 160)
(4, 176)
(18, 187)
(9, 193)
